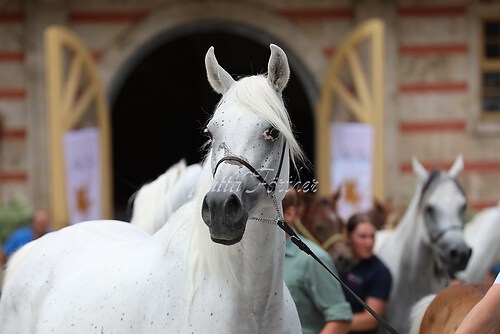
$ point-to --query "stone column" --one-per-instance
(386, 10)
(39, 14)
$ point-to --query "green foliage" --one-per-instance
(14, 214)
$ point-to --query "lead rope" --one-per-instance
(280, 221)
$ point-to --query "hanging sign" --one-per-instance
(83, 174)
(351, 160)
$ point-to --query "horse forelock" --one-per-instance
(435, 178)
(429, 184)
(256, 94)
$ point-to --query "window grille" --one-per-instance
(490, 69)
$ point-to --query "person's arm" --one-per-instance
(328, 297)
(364, 321)
(336, 327)
(485, 315)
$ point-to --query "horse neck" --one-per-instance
(407, 241)
(263, 248)
(254, 266)
(480, 234)
(416, 258)
(476, 231)
(410, 223)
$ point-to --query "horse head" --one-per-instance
(251, 140)
(442, 206)
(327, 228)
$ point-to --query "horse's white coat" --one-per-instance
(482, 233)
(111, 277)
(406, 249)
(155, 202)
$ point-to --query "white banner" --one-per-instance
(351, 166)
(83, 174)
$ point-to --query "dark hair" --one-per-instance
(358, 218)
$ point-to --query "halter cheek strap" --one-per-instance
(332, 240)
(435, 238)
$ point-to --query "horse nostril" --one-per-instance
(205, 212)
(453, 254)
(233, 206)
(460, 257)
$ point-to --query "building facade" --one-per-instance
(441, 70)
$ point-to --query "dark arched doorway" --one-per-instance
(163, 104)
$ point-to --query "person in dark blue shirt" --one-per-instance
(40, 225)
(370, 278)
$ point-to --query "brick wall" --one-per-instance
(432, 103)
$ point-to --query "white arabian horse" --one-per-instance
(428, 244)
(482, 233)
(155, 201)
(215, 267)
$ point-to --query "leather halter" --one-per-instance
(325, 245)
(435, 238)
(270, 187)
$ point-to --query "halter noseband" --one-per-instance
(435, 238)
(270, 187)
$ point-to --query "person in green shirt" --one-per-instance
(319, 298)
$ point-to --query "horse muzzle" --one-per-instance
(456, 257)
(459, 258)
(225, 216)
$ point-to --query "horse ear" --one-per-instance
(278, 71)
(218, 78)
(337, 194)
(419, 170)
(457, 167)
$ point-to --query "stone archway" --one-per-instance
(256, 21)
(148, 106)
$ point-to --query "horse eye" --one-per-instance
(207, 133)
(271, 133)
(429, 210)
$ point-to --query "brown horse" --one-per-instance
(443, 312)
(319, 222)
